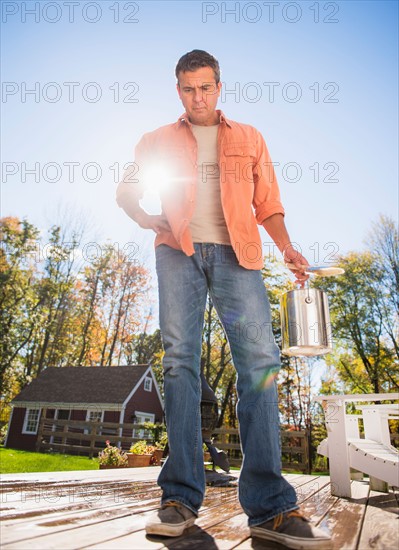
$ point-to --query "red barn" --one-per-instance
(123, 394)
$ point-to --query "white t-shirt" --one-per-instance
(208, 224)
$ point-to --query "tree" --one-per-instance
(88, 293)
(52, 339)
(126, 282)
(147, 349)
(364, 317)
(57, 312)
(18, 303)
(383, 241)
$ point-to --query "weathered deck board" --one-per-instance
(35, 496)
(345, 517)
(218, 525)
(318, 503)
(98, 518)
(62, 499)
(381, 523)
(315, 502)
(233, 532)
(107, 510)
(209, 516)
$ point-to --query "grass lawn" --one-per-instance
(14, 461)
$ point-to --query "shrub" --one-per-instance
(112, 456)
(141, 448)
(161, 443)
(3, 433)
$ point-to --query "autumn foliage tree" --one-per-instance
(365, 314)
(60, 309)
(18, 303)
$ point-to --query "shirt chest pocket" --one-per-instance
(238, 162)
(239, 150)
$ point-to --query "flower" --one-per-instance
(163, 440)
(141, 448)
(112, 456)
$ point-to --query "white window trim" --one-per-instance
(24, 428)
(141, 413)
(86, 430)
(148, 379)
(57, 412)
(94, 410)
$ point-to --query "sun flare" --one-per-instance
(157, 179)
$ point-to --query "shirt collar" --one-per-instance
(184, 118)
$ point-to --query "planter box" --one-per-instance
(138, 461)
(157, 456)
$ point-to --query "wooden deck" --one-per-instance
(107, 510)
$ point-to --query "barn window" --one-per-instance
(31, 422)
(140, 418)
(63, 414)
(147, 383)
(94, 416)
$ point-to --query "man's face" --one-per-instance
(199, 94)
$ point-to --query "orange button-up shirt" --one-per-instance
(248, 185)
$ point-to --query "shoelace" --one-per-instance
(173, 504)
(278, 520)
(170, 503)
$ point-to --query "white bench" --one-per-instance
(373, 455)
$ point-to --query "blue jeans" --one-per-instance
(241, 302)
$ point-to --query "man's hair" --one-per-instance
(196, 59)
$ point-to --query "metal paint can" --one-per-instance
(305, 323)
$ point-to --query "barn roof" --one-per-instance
(82, 385)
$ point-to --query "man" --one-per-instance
(216, 183)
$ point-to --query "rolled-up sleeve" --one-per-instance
(266, 201)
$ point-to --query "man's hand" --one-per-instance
(298, 264)
(275, 226)
(156, 222)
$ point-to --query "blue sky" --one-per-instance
(331, 125)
